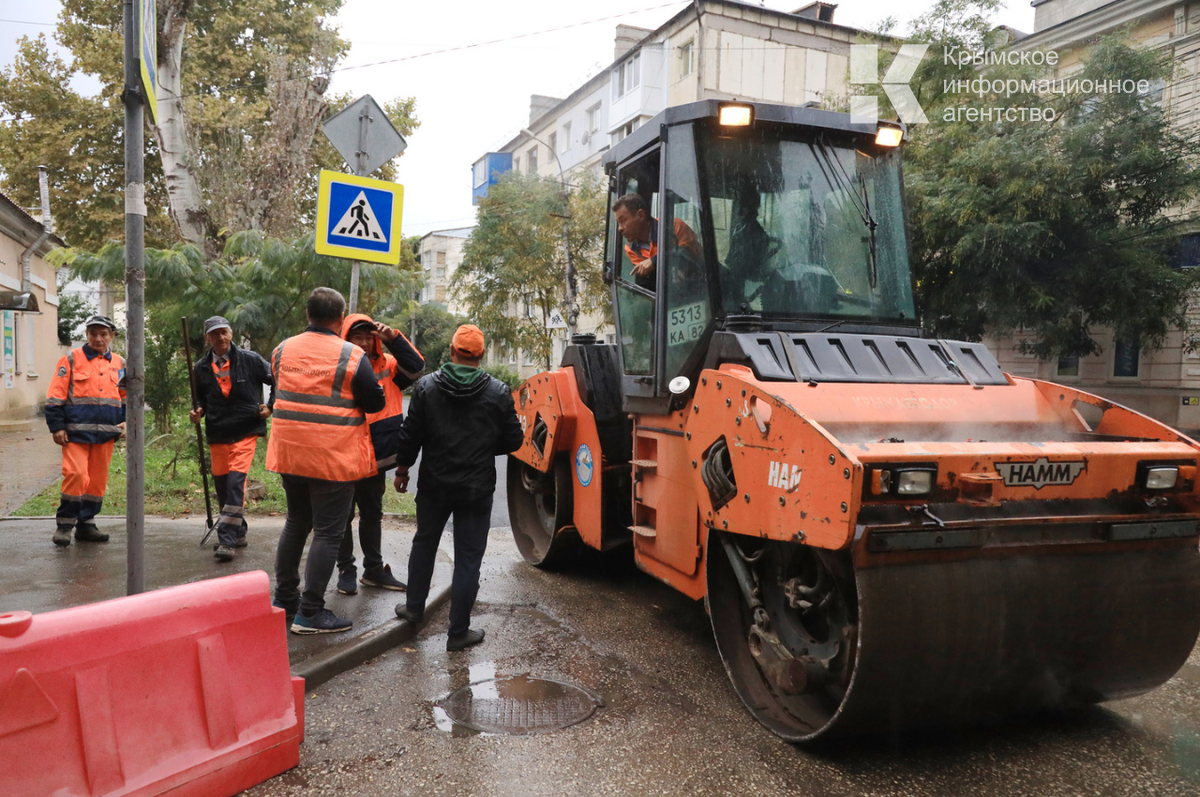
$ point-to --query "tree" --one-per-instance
(259, 283)
(435, 326)
(242, 91)
(73, 310)
(513, 275)
(1054, 226)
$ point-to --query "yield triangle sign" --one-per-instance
(360, 222)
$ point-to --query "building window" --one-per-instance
(531, 159)
(441, 293)
(441, 272)
(553, 142)
(593, 118)
(624, 130)
(441, 258)
(1187, 253)
(1068, 366)
(628, 76)
(1125, 358)
(686, 58)
(517, 165)
(566, 144)
(480, 173)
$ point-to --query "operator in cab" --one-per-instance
(640, 231)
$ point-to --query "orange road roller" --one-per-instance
(887, 530)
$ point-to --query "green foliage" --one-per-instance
(260, 284)
(506, 375)
(513, 275)
(73, 310)
(1055, 227)
(435, 327)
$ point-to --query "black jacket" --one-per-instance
(227, 420)
(462, 430)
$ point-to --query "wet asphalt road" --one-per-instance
(670, 722)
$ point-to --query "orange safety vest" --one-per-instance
(317, 430)
(385, 369)
(86, 397)
(223, 380)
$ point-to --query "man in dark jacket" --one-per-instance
(229, 392)
(463, 418)
(396, 368)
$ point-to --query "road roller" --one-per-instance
(886, 529)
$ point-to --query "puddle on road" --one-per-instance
(517, 705)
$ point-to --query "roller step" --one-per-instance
(644, 531)
(645, 464)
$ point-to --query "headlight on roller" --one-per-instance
(1162, 477)
(914, 482)
(908, 481)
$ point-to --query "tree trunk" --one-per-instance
(183, 189)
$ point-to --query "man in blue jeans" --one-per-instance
(463, 418)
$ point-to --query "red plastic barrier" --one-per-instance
(181, 691)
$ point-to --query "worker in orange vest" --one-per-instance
(85, 410)
(320, 445)
(397, 364)
(229, 397)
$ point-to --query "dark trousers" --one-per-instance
(320, 507)
(231, 497)
(471, 521)
(368, 496)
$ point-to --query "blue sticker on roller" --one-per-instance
(583, 465)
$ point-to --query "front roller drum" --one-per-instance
(541, 510)
(816, 648)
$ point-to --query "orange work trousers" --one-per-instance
(85, 478)
(230, 464)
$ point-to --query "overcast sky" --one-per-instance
(475, 97)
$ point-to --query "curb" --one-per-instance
(320, 668)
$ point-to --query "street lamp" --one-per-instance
(570, 311)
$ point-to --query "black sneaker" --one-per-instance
(62, 535)
(382, 579)
(323, 622)
(347, 585)
(412, 615)
(471, 637)
(87, 532)
(223, 553)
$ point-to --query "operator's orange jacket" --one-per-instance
(393, 376)
(86, 396)
(318, 430)
(640, 251)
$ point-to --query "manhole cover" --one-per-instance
(519, 705)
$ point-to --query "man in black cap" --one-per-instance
(85, 410)
(229, 391)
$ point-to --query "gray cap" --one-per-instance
(215, 323)
(100, 321)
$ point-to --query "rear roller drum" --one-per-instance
(540, 508)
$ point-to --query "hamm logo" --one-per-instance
(1039, 473)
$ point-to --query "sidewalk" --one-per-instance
(37, 576)
(28, 462)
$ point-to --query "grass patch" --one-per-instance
(174, 487)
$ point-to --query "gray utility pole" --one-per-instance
(570, 313)
(354, 133)
(135, 312)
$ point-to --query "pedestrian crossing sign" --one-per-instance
(359, 218)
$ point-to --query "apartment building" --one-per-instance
(30, 340)
(1163, 382)
(712, 49)
(441, 254)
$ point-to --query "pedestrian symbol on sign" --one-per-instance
(359, 221)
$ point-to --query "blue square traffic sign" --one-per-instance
(359, 218)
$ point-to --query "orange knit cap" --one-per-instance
(468, 340)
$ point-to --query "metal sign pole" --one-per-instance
(361, 169)
(135, 310)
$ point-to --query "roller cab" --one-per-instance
(887, 530)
